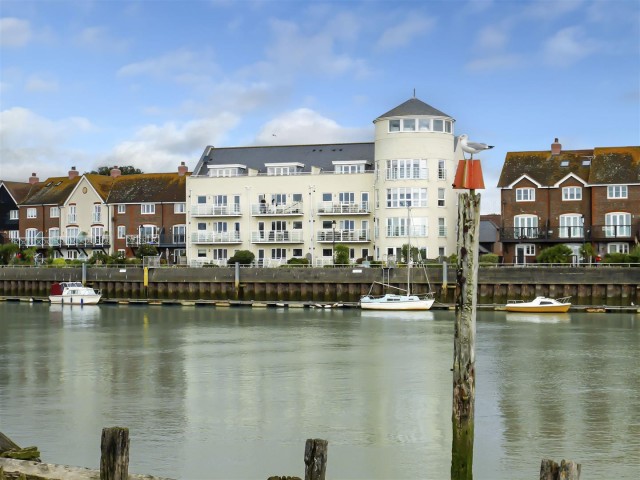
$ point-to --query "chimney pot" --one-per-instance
(115, 172)
(73, 173)
(182, 169)
(556, 147)
(33, 179)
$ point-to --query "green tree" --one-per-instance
(587, 251)
(556, 254)
(415, 253)
(243, 257)
(341, 255)
(8, 252)
(126, 170)
(146, 251)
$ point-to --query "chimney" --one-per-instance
(73, 173)
(33, 179)
(182, 169)
(556, 148)
(115, 172)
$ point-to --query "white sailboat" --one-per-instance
(404, 300)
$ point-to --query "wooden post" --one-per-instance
(315, 459)
(114, 461)
(464, 383)
(567, 470)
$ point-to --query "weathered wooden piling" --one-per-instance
(114, 461)
(567, 470)
(462, 417)
(315, 459)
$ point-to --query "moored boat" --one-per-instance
(392, 301)
(73, 293)
(540, 305)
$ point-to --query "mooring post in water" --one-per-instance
(315, 459)
(567, 470)
(462, 418)
(114, 461)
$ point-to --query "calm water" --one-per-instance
(234, 393)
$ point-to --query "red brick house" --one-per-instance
(570, 197)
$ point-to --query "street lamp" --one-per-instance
(333, 238)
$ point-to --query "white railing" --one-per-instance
(97, 218)
(277, 236)
(295, 208)
(407, 174)
(326, 235)
(211, 210)
(343, 207)
(207, 236)
(72, 218)
(62, 241)
(137, 240)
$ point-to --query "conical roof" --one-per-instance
(412, 107)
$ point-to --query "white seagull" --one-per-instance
(472, 147)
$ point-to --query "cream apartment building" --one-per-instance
(300, 201)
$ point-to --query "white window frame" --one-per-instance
(147, 208)
(525, 194)
(406, 196)
(122, 208)
(442, 170)
(442, 197)
(617, 224)
(571, 194)
(442, 227)
(571, 226)
(407, 169)
(180, 207)
(122, 231)
(617, 191)
(32, 212)
(521, 224)
(54, 212)
(618, 248)
(14, 214)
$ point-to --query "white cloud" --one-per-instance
(99, 38)
(37, 83)
(184, 66)
(568, 46)
(495, 62)
(161, 148)
(492, 38)
(14, 32)
(405, 32)
(304, 126)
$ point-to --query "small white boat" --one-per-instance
(540, 305)
(74, 293)
(392, 301)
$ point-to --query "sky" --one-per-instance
(89, 83)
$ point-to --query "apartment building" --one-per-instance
(570, 197)
(300, 201)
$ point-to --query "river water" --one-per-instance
(233, 393)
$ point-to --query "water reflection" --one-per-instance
(538, 317)
(75, 315)
(407, 316)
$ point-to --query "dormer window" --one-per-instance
(284, 168)
(349, 166)
(231, 170)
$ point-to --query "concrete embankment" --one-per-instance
(611, 286)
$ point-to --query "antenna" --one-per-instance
(414, 93)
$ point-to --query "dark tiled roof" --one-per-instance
(320, 155)
(544, 168)
(148, 187)
(611, 165)
(101, 183)
(413, 106)
(18, 190)
(53, 191)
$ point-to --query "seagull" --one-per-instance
(472, 147)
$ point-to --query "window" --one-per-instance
(97, 214)
(327, 225)
(72, 214)
(407, 169)
(571, 193)
(122, 208)
(441, 197)
(121, 231)
(408, 125)
(326, 252)
(179, 233)
(225, 172)
(618, 248)
(394, 125)
(617, 191)
(121, 252)
(284, 168)
(418, 227)
(442, 171)
(406, 197)
(202, 226)
(54, 237)
(179, 207)
(571, 226)
(438, 125)
(424, 124)
(279, 253)
(97, 235)
(72, 235)
(442, 227)
(202, 253)
(220, 254)
(525, 195)
(202, 199)
(349, 168)
(618, 224)
(14, 235)
(297, 252)
(326, 197)
(148, 208)
(525, 226)
(31, 213)
(441, 252)
(54, 212)
(529, 249)
(13, 214)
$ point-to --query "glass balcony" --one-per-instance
(277, 236)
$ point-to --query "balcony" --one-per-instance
(614, 232)
(264, 209)
(211, 210)
(63, 242)
(209, 237)
(343, 208)
(343, 236)
(277, 236)
(137, 240)
(567, 234)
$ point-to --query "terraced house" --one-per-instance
(300, 201)
(570, 197)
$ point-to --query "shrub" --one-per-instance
(297, 261)
(8, 252)
(243, 257)
(489, 258)
(146, 251)
(556, 254)
(341, 255)
(58, 262)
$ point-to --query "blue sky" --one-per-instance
(151, 83)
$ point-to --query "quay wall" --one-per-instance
(610, 285)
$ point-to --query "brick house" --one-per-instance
(569, 197)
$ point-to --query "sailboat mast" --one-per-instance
(408, 247)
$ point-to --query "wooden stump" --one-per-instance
(114, 461)
(315, 459)
(567, 470)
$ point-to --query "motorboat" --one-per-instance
(393, 301)
(540, 305)
(73, 293)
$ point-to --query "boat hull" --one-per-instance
(383, 303)
(75, 299)
(539, 308)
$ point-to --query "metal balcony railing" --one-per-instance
(206, 236)
(342, 208)
(211, 210)
(277, 236)
(295, 208)
(567, 234)
(137, 240)
(63, 242)
(343, 235)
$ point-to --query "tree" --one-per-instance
(147, 250)
(556, 254)
(587, 251)
(243, 257)
(342, 255)
(126, 170)
(415, 253)
(7, 252)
